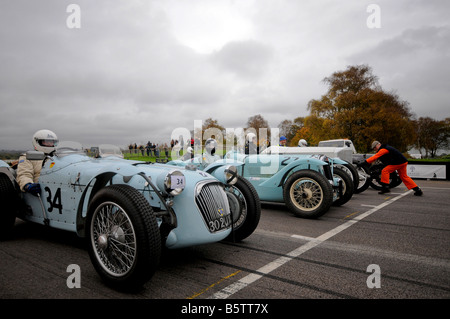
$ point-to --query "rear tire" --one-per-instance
(308, 194)
(124, 239)
(364, 179)
(375, 183)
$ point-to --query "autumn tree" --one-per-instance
(257, 122)
(432, 135)
(210, 123)
(210, 129)
(286, 128)
(356, 107)
(313, 131)
(258, 125)
(290, 128)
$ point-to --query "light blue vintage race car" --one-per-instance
(307, 184)
(128, 210)
(243, 198)
(340, 157)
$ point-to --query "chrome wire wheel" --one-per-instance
(363, 177)
(113, 239)
(306, 194)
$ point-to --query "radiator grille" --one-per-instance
(213, 205)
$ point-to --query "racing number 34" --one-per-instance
(55, 202)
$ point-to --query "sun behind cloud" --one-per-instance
(207, 26)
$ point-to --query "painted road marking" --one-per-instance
(253, 277)
(305, 238)
(209, 287)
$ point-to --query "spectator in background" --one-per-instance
(166, 150)
(147, 148)
(153, 149)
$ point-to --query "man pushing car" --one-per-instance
(394, 161)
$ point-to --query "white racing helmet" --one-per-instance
(250, 137)
(45, 141)
(210, 146)
(302, 143)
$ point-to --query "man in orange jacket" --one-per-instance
(394, 161)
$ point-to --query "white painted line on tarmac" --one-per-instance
(266, 269)
(306, 238)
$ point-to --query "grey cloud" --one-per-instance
(125, 77)
(248, 59)
(415, 65)
(429, 38)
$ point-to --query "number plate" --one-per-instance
(219, 223)
(177, 181)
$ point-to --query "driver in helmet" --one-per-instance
(189, 154)
(302, 143)
(28, 171)
(209, 155)
(251, 144)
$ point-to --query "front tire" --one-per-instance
(352, 172)
(9, 200)
(347, 187)
(124, 239)
(308, 194)
(245, 209)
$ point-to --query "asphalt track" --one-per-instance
(393, 246)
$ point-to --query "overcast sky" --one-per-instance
(133, 71)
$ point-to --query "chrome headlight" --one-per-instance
(231, 174)
(172, 183)
(226, 174)
(324, 158)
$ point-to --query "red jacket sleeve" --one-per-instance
(380, 153)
